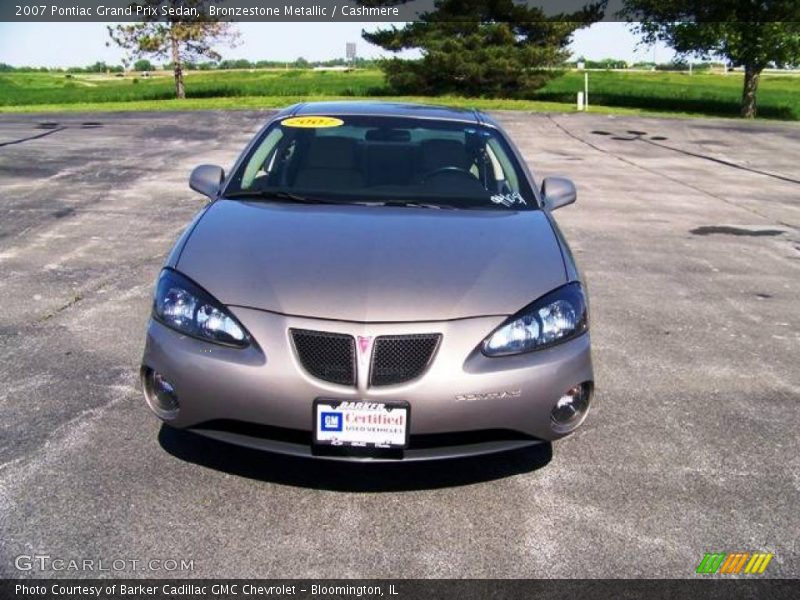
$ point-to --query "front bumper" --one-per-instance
(464, 404)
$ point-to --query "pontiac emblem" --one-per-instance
(363, 343)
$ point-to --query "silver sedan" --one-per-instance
(373, 281)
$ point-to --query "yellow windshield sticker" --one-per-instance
(312, 122)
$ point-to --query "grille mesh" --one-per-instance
(400, 358)
(327, 356)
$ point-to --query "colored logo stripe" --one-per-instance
(734, 562)
(758, 563)
(711, 562)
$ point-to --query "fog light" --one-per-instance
(160, 394)
(571, 408)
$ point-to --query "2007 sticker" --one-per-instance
(312, 122)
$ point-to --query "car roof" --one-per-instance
(392, 109)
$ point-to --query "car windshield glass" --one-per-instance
(386, 161)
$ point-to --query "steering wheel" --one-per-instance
(452, 170)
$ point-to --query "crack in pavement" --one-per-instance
(668, 177)
(721, 161)
(72, 302)
(33, 137)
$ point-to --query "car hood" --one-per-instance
(371, 264)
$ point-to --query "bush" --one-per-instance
(676, 65)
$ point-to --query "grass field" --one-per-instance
(710, 94)
(619, 92)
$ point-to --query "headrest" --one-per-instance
(331, 153)
(388, 135)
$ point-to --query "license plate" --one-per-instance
(361, 424)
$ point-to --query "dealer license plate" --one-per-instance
(361, 424)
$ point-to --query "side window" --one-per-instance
(263, 159)
(504, 172)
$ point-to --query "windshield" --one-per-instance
(383, 160)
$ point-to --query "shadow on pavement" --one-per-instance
(352, 477)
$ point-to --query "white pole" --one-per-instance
(580, 101)
(586, 90)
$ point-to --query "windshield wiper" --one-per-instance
(279, 195)
(415, 204)
(300, 199)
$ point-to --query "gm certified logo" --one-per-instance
(331, 421)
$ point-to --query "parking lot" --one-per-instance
(688, 232)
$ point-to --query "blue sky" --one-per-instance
(75, 44)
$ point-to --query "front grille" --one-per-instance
(327, 356)
(400, 358)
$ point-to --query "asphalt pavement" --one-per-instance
(688, 232)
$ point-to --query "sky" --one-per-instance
(78, 44)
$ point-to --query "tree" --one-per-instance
(143, 65)
(501, 48)
(747, 33)
(181, 39)
(98, 67)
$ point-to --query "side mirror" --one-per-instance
(558, 192)
(207, 180)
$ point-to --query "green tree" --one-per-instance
(98, 67)
(747, 33)
(143, 65)
(500, 48)
(180, 39)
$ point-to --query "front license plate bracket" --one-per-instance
(360, 425)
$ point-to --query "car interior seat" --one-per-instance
(330, 163)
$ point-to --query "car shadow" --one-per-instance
(351, 477)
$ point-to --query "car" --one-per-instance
(373, 282)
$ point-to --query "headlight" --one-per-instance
(554, 318)
(186, 307)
